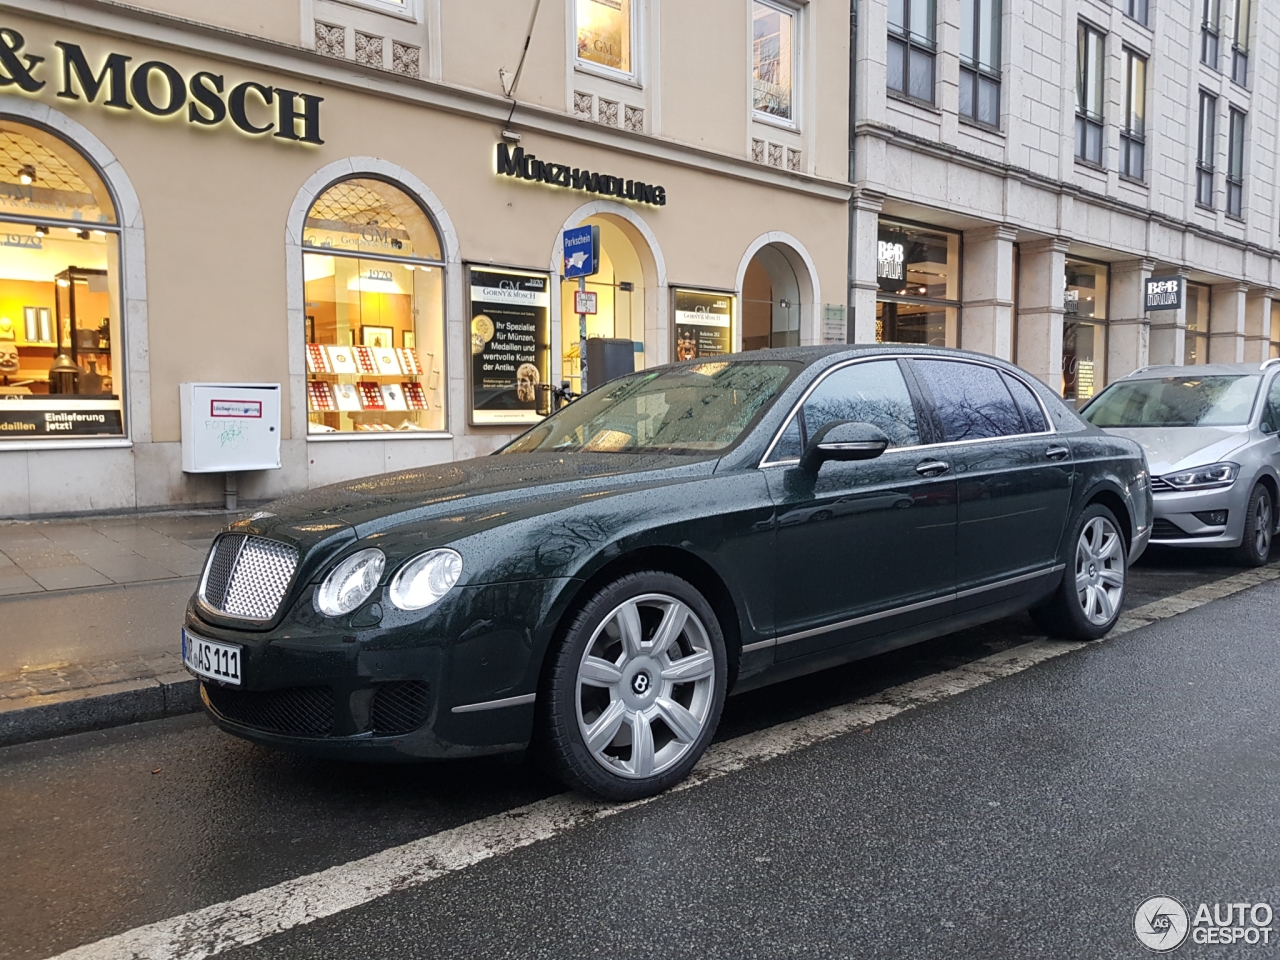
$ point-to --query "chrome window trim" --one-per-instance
(1052, 431)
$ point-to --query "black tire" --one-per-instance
(1073, 613)
(1259, 526)
(570, 702)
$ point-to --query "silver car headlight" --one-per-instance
(1204, 478)
(350, 583)
(425, 579)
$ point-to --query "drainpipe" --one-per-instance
(853, 118)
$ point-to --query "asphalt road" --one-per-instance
(1027, 817)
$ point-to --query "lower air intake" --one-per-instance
(400, 706)
(301, 710)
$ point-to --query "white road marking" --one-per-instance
(256, 916)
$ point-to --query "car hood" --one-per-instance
(462, 493)
(1170, 449)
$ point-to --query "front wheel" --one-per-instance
(1259, 525)
(634, 690)
(1087, 603)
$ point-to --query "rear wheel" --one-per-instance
(1086, 604)
(634, 691)
(1259, 526)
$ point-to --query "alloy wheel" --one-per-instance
(1100, 570)
(645, 686)
(1262, 526)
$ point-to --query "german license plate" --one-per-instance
(215, 661)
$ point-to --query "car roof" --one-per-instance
(1197, 370)
(813, 354)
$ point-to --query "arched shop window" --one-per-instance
(61, 358)
(374, 279)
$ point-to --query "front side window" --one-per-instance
(374, 282)
(1136, 10)
(980, 61)
(971, 401)
(912, 48)
(1271, 412)
(772, 61)
(874, 393)
(1133, 137)
(1205, 148)
(1273, 331)
(604, 33)
(685, 410)
(1175, 402)
(1240, 44)
(1235, 165)
(62, 362)
(1089, 93)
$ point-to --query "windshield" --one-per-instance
(704, 407)
(1175, 402)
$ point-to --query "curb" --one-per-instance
(96, 708)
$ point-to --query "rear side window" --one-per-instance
(1027, 403)
(873, 392)
(971, 400)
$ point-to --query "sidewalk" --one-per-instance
(90, 610)
(37, 556)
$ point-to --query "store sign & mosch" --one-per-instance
(526, 166)
(157, 88)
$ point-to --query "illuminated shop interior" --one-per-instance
(374, 281)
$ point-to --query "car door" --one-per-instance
(1013, 475)
(867, 547)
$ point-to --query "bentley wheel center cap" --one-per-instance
(641, 683)
(1093, 570)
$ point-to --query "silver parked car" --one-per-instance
(1212, 437)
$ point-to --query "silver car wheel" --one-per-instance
(645, 686)
(1262, 526)
(1100, 570)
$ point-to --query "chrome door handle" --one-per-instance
(932, 468)
(1058, 453)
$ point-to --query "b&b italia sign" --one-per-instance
(158, 89)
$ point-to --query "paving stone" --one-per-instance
(67, 577)
(14, 581)
(130, 568)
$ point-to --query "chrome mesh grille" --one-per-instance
(247, 577)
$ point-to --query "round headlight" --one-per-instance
(425, 579)
(350, 583)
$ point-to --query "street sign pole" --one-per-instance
(581, 248)
(582, 341)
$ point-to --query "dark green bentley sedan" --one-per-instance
(601, 584)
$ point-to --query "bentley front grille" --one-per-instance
(246, 577)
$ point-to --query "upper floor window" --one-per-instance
(980, 60)
(1133, 136)
(1089, 75)
(1235, 164)
(912, 48)
(1211, 18)
(604, 33)
(1240, 44)
(772, 61)
(1136, 10)
(1205, 148)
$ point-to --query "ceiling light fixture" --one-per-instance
(27, 175)
(42, 231)
(82, 234)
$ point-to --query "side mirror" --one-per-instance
(844, 440)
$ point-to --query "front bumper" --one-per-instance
(390, 691)
(1176, 523)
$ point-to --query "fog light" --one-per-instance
(1212, 518)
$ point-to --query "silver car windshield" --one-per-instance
(1216, 401)
(703, 407)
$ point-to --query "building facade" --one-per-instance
(356, 207)
(1022, 170)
